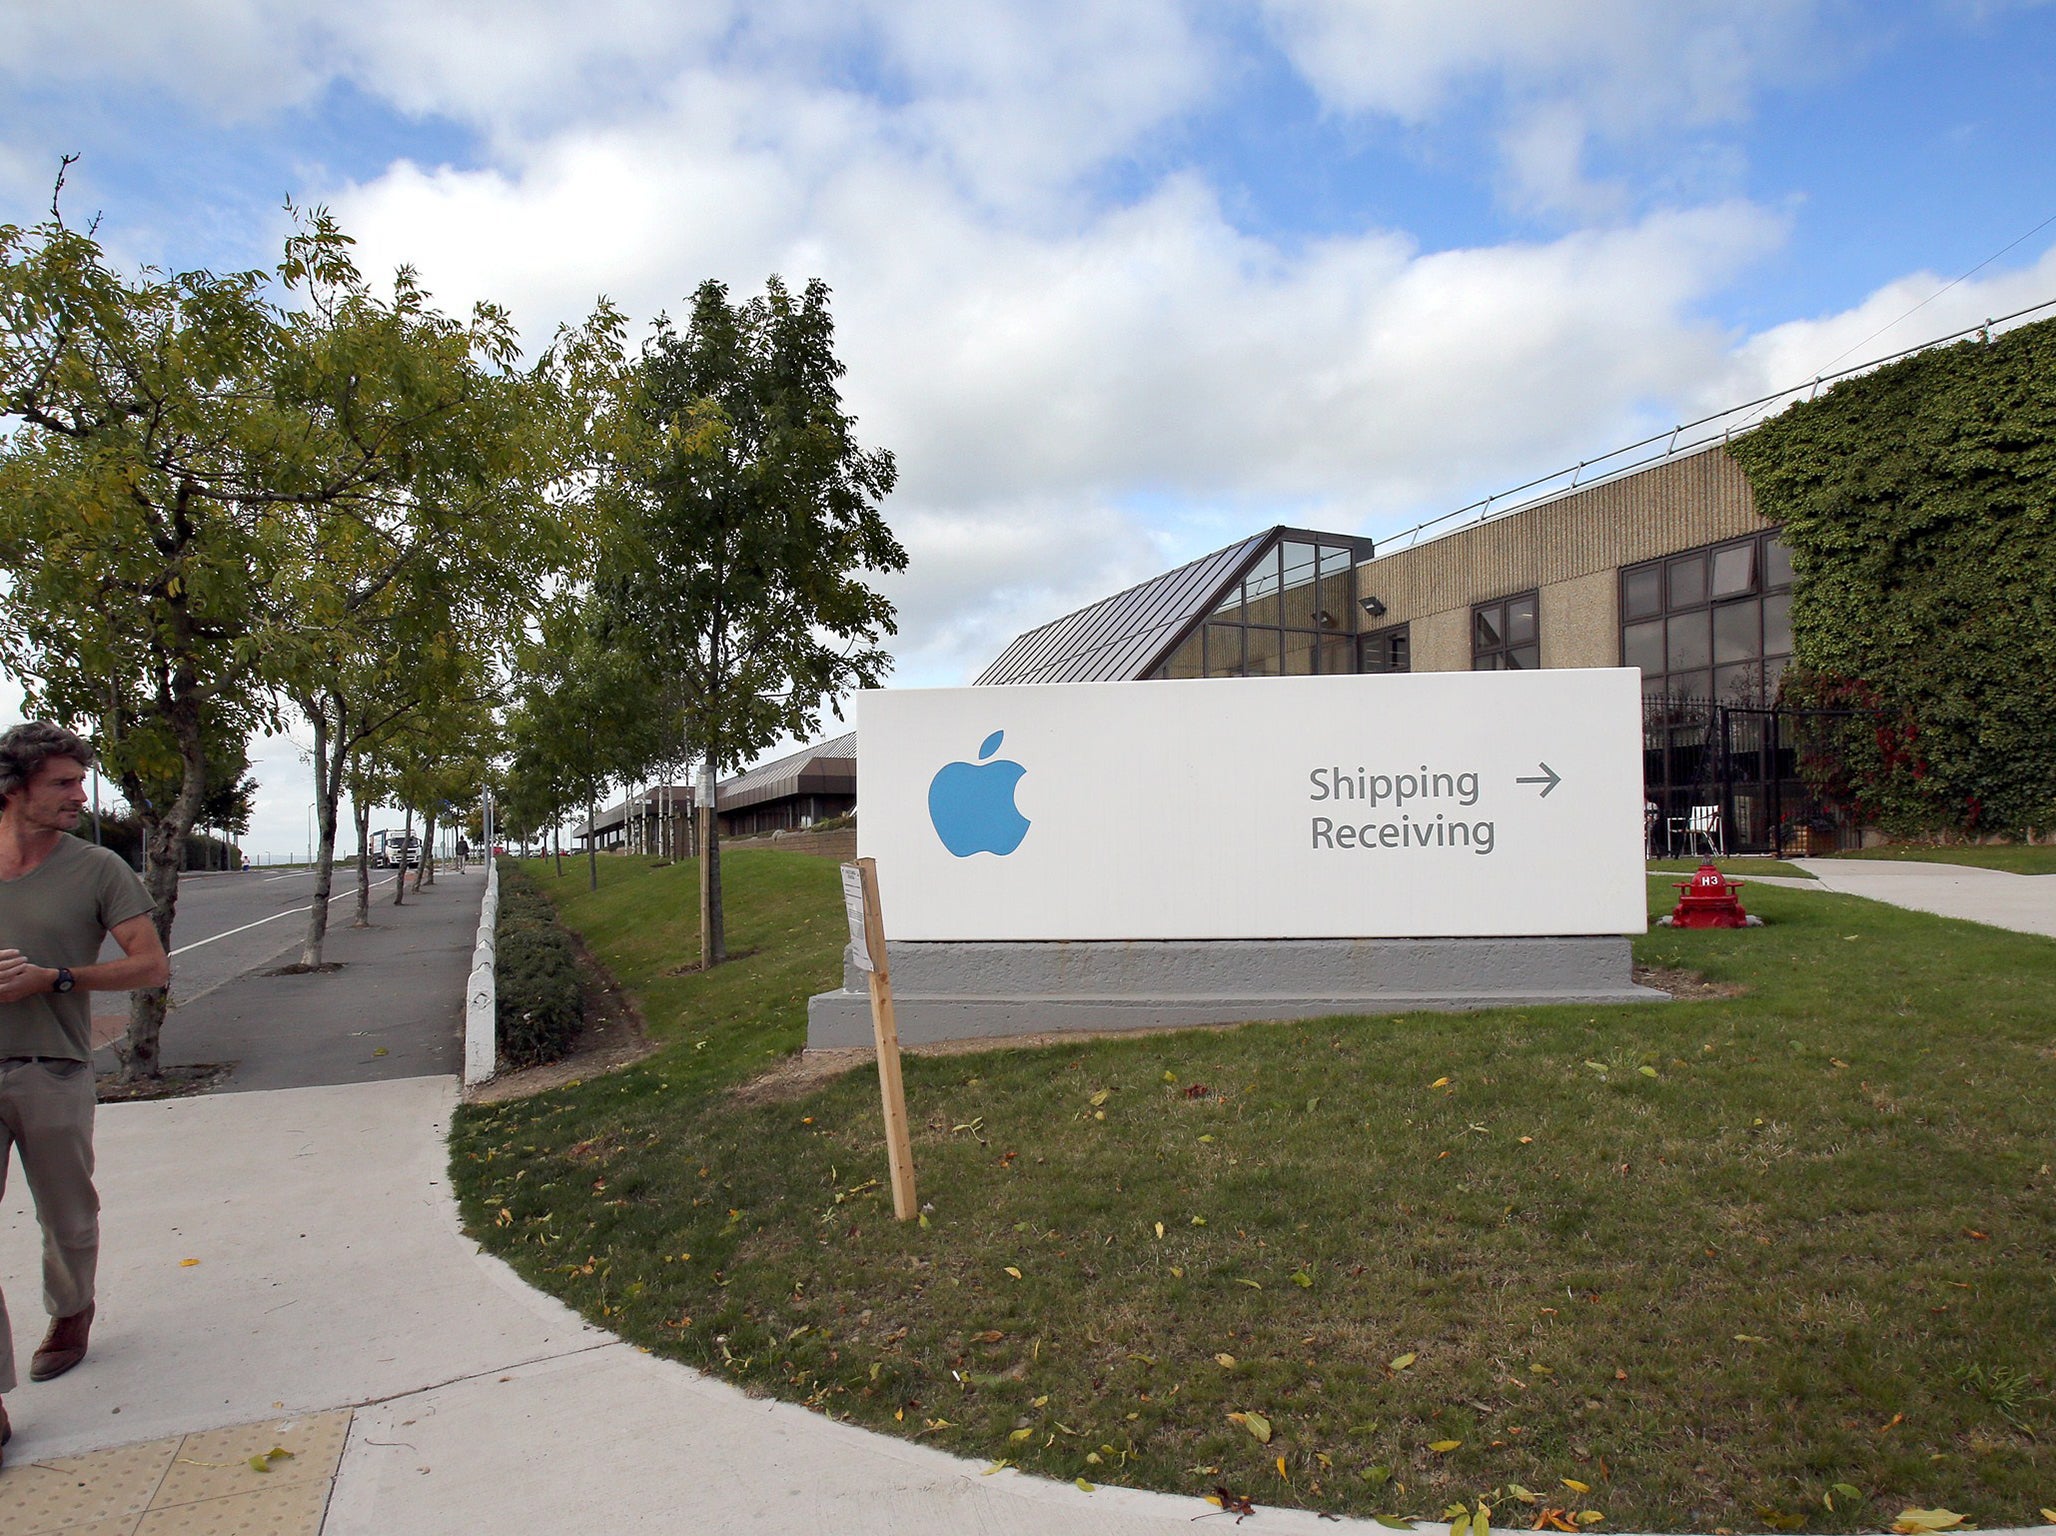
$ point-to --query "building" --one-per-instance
(1668, 568)
(655, 820)
(799, 790)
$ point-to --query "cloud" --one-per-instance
(1558, 82)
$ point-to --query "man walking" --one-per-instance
(59, 899)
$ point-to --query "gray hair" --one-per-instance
(26, 748)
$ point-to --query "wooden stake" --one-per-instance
(867, 939)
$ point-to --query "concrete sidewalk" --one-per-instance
(2024, 903)
(331, 1274)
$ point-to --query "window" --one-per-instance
(1386, 650)
(1294, 613)
(1711, 624)
(1506, 635)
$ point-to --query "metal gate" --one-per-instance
(1742, 779)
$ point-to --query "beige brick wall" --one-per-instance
(1571, 549)
(1580, 625)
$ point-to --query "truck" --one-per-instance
(391, 848)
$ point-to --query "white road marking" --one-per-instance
(289, 912)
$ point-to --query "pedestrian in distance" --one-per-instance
(60, 897)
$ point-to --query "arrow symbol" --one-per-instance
(1549, 780)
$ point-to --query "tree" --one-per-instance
(456, 522)
(749, 516)
(138, 521)
(217, 480)
(587, 714)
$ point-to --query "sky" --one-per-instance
(1118, 282)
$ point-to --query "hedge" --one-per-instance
(540, 1005)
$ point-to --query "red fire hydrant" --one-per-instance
(1710, 902)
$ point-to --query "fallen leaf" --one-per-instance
(380, 1051)
(187, 1263)
(1252, 1284)
(1084, 1486)
(1401, 1362)
(1522, 1494)
(1100, 1098)
(1589, 1517)
(1160, 1231)
(1302, 1279)
(1019, 1435)
(1440, 1082)
(1750, 1338)
(1647, 1071)
(1392, 1524)
(1233, 1503)
(1527, 1140)
(1255, 1423)
(1918, 1522)
(1575, 1486)
(1283, 1475)
(1226, 1362)
(1013, 1271)
(1444, 1447)
(995, 1467)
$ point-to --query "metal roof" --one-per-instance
(827, 767)
(1125, 637)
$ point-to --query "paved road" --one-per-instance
(233, 931)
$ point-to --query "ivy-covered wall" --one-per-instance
(1919, 502)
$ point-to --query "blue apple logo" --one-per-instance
(972, 804)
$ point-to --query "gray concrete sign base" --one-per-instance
(976, 991)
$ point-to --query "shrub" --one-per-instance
(540, 1006)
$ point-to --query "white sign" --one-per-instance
(853, 909)
(1423, 805)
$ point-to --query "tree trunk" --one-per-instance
(164, 846)
(713, 937)
(328, 789)
(362, 810)
(557, 838)
(592, 846)
(424, 872)
(400, 880)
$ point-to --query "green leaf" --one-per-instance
(1255, 1423)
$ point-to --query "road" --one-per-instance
(386, 1010)
(227, 925)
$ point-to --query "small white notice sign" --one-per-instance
(853, 905)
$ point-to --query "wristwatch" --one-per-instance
(65, 980)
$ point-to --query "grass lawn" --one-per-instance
(2016, 859)
(1781, 1260)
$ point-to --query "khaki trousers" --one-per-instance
(46, 1115)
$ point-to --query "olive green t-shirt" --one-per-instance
(58, 914)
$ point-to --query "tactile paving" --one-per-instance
(216, 1462)
(202, 1485)
(291, 1509)
(68, 1491)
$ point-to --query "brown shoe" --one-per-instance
(63, 1347)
